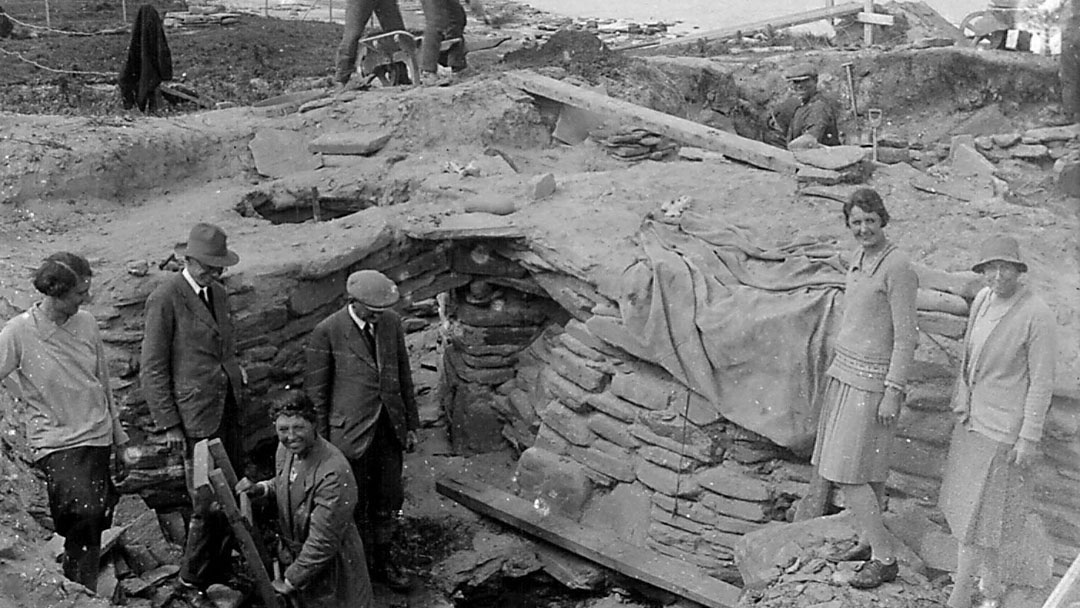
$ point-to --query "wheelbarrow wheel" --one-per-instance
(971, 30)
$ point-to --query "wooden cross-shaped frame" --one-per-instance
(214, 474)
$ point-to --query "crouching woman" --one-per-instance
(316, 494)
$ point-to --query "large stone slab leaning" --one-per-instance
(357, 143)
(831, 157)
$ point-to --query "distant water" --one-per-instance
(700, 15)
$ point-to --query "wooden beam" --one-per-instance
(820, 14)
(1065, 586)
(242, 531)
(685, 131)
(221, 461)
(874, 18)
(201, 466)
(868, 29)
(602, 547)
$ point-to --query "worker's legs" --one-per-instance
(436, 19)
(455, 28)
(389, 15)
(357, 14)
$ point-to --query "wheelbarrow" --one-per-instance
(391, 57)
(1002, 16)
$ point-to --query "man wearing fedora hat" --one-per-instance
(807, 119)
(359, 377)
(192, 383)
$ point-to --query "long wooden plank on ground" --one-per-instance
(820, 14)
(602, 547)
(685, 131)
(242, 532)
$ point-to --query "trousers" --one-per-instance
(208, 548)
(381, 491)
(357, 15)
(443, 20)
(81, 500)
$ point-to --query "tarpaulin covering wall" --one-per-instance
(746, 326)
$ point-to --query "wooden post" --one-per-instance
(331, 11)
(48, 20)
(868, 28)
(242, 532)
(266, 8)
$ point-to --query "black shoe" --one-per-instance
(858, 553)
(873, 573)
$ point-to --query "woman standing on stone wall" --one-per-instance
(866, 382)
(55, 356)
(1002, 395)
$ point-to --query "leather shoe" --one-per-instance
(873, 573)
(857, 553)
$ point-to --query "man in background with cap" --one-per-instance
(808, 119)
(359, 377)
(192, 383)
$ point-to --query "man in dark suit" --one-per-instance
(359, 378)
(192, 383)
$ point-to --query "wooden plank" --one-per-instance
(242, 530)
(670, 574)
(220, 460)
(868, 29)
(874, 18)
(685, 131)
(1065, 587)
(202, 463)
(820, 14)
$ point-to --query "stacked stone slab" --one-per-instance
(487, 323)
(638, 144)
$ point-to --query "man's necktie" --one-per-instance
(204, 295)
(369, 337)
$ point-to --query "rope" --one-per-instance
(50, 29)
(54, 70)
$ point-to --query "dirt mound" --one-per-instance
(580, 53)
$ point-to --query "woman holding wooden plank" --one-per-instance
(316, 493)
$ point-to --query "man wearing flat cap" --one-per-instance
(808, 119)
(359, 378)
(192, 383)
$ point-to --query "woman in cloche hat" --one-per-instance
(1002, 395)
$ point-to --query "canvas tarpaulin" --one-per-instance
(746, 327)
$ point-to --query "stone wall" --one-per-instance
(604, 438)
(594, 423)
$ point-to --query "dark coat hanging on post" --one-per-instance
(149, 61)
